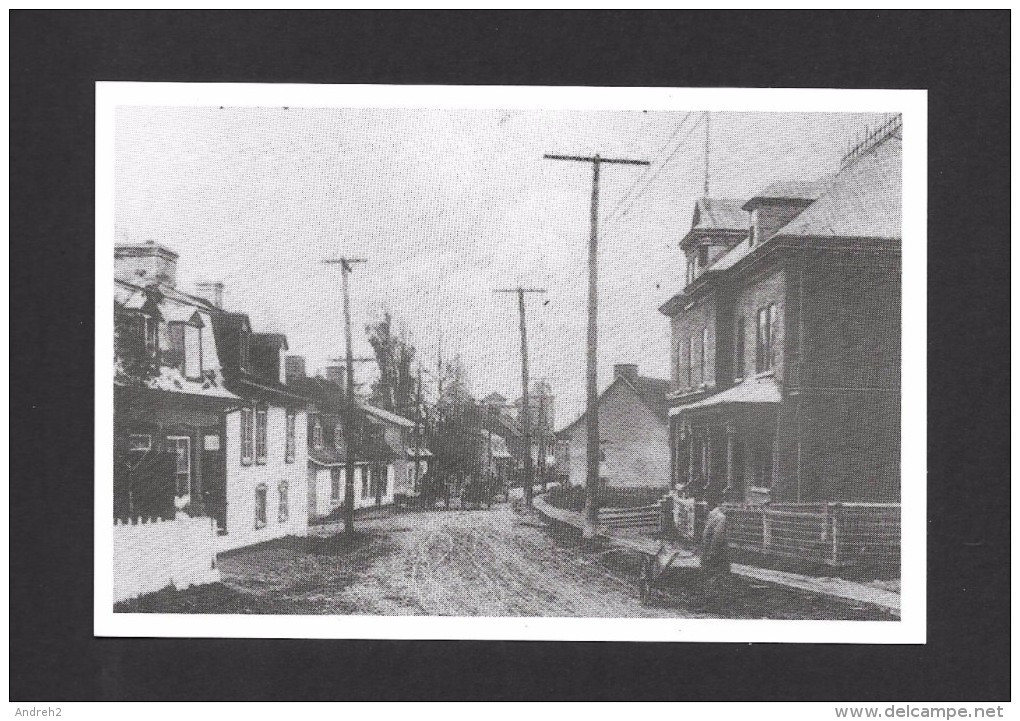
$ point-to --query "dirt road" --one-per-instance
(485, 563)
(459, 563)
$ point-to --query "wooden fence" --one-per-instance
(643, 518)
(833, 534)
(149, 555)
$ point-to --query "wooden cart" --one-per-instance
(655, 566)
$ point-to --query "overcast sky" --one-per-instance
(447, 205)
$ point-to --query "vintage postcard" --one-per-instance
(510, 363)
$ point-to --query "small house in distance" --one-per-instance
(634, 426)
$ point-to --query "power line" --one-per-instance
(658, 171)
(654, 161)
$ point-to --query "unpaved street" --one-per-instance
(460, 563)
(486, 563)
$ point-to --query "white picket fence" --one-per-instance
(149, 555)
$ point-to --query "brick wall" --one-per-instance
(687, 324)
(755, 294)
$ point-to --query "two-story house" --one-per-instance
(380, 446)
(786, 340)
(265, 494)
(203, 422)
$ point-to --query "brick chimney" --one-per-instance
(211, 290)
(627, 371)
(145, 263)
(295, 367)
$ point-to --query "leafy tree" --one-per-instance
(453, 425)
(133, 365)
(396, 386)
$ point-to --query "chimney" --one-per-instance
(145, 263)
(338, 375)
(627, 371)
(211, 290)
(295, 367)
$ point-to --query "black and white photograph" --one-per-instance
(439, 359)
(509, 355)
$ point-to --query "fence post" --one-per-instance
(666, 524)
(766, 532)
(832, 510)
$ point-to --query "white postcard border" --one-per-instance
(911, 628)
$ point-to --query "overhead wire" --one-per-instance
(655, 159)
(619, 215)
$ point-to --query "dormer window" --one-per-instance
(150, 334)
(192, 351)
(185, 351)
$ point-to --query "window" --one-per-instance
(261, 435)
(247, 435)
(192, 351)
(139, 442)
(366, 482)
(702, 256)
(690, 362)
(243, 349)
(379, 484)
(338, 437)
(334, 484)
(291, 439)
(317, 433)
(181, 447)
(766, 337)
(260, 505)
(284, 506)
(738, 351)
(704, 355)
(150, 331)
(763, 465)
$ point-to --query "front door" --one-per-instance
(214, 480)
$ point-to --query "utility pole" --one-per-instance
(591, 508)
(417, 438)
(529, 473)
(708, 141)
(541, 435)
(345, 267)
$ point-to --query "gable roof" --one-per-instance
(652, 392)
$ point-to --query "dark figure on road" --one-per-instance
(715, 560)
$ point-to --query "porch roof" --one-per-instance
(757, 390)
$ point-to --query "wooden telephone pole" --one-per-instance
(529, 472)
(345, 267)
(591, 508)
(418, 433)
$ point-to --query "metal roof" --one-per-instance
(757, 390)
